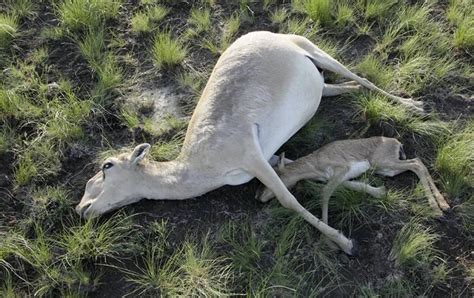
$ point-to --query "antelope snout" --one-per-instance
(83, 208)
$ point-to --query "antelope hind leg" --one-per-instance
(338, 89)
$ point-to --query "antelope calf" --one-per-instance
(338, 162)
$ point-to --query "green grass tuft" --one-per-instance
(344, 14)
(279, 15)
(166, 51)
(82, 14)
(143, 21)
(92, 240)
(166, 151)
(455, 161)
(317, 10)
(413, 246)
(200, 20)
(22, 8)
(375, 9)
(192, 270)
(8, 29)
(375, 71)
(377, 109)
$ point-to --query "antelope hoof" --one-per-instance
(438, 214)
(353, 249)
(263, 195)
(443, 204)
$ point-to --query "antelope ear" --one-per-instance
(281, 162)
(139, 153)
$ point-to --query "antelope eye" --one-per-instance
(107, 165)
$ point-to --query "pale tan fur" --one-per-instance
(338, 162)
(263, 89)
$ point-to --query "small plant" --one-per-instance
(166, 151)
(143, 21)
(8, 29)
(375, 9)
(305, 27)
(375, 71)
(92, 47)
(455, 161)
(189, 272)
(200, 20)
(130, 118)
(460, 14)
(317, 10)
(413, 246)
(110, 77)
(166, 51)
(344, 14)
(80, 14)
(140, 22)
(279, 15)
(92, 240)
(39, 160)
(22, 8)
(464, 34)
(377, 109)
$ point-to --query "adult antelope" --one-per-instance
(263, 89)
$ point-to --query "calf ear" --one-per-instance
(281, 162)
(139, 153)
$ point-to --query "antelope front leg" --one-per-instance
(265, 173)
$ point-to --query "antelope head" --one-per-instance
(117, 184)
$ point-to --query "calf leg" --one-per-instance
(376, 192)
(395, 167)
(259, 167)
(341, 174)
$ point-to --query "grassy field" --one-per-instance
(68, 71)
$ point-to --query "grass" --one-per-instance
(93, 240)
(377, 9)
(344, 14)
(316, 10)
(143, 21)
(190, 271)
(278, 16)
(413, 246)
(462, 18)
(455, 161)
(166, 151)
(376, 109)
(22, 8)
(221, 41)
(63, 80)
(166, 51)
(8, 29)
(200, 20)
(83, 14)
